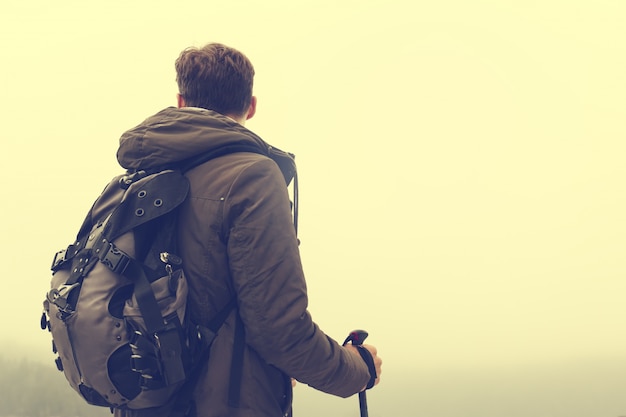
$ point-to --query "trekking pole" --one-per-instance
(357, 337)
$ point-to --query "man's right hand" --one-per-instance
(378, 362)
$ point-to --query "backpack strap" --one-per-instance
(165, 330)
(184, 405)
(145, 200)
(236, 367)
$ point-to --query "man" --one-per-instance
(237, 239)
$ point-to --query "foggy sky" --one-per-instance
(461, 175)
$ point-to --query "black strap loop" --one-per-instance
(369, 360)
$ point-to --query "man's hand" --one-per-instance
(378, 362)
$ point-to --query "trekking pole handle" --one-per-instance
(357, 337)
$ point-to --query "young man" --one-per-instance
(237, 240)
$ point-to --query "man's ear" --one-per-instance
(180, 100)
(252, 108)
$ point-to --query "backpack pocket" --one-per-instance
(157, 358)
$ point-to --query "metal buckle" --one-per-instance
(58, 297)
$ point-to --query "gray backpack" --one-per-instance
(116, 307)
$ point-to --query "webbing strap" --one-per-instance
(369, 360)
(166, 333)
(236, 368)
(185, 406)
(145, 297)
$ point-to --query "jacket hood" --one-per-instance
(175, 135)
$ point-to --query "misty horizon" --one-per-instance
(589, 388)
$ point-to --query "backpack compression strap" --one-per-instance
(184, 406)
(165, 331)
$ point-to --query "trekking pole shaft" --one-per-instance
(363, 404)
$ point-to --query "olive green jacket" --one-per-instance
(236, 238)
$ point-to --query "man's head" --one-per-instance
(218, 78)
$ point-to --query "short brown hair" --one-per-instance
(215, 77)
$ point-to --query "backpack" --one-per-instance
(116, 307)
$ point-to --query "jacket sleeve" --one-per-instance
(269, 282)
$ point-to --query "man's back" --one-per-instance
(237, 239)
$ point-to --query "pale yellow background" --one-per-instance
(461, 177)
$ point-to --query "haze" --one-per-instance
(461, 168)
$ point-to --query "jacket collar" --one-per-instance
(175, 134)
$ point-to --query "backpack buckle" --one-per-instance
(127, 180)
(58, 297)
(65, 255)
(114, 258)
(59, 258)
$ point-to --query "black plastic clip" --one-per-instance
(114, 259)
(128, 180)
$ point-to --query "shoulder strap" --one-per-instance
(236, 367)
(184, 405)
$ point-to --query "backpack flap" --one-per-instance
(145, 200)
